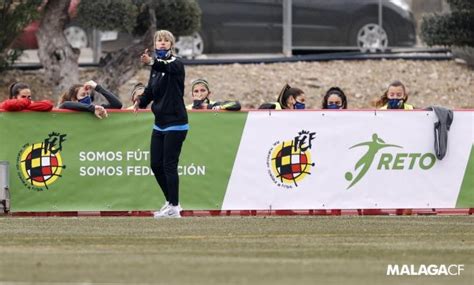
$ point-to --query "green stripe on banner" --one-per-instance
(105, 162)
(466, 196)
(213, 141)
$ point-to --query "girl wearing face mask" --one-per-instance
(20, 99)
(165, 92)
(334, 99)
(80, 98)
(290, 98)
(394, 98)
(200, 94)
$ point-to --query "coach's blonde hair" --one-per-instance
(167, 35)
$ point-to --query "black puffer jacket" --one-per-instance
(166, 89)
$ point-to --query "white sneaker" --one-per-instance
(166, 205)
(169, 212)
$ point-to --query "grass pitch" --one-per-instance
(232, 250)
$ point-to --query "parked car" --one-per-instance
(256, 26)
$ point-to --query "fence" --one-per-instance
(256, 160)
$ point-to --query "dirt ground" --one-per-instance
(445, 83)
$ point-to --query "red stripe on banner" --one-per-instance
(219, 213)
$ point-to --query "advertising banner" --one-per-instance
(334, 160)
(68, 161)
(73, 161)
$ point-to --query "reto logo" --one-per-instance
(387, 161)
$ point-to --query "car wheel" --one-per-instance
(190, 46)
(76, 36)
(368, 36)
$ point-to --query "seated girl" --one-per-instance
(201, 92)
(334, 99)
(21, 99)
(395, 97)
(289, 98)
(81, 98)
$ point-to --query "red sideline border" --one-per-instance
(243, 110)
(224, 213)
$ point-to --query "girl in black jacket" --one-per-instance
(166, 90)
(80, 98)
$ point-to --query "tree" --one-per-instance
(14, 16)
(60, 60)
(142, 18)
(58, 57)
(454, 29)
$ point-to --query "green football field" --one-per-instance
(233, 250)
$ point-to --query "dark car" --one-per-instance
(256, 26)
(251, 26)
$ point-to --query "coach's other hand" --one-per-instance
(146, 58)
